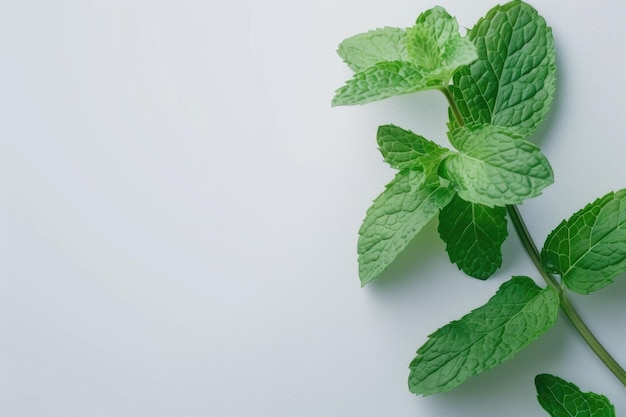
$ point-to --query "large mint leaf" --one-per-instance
(403, 149)
(380, 81)
(435, 45)
(366, 49)
(474, 235)
(564, 399)
(513, 81)
(518, 314)
(588, 250)
(409, 202)
(495, 167)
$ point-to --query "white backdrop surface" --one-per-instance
(180, 207)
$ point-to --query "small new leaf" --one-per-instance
(588, 250)
(512, 83)
(495, 167)
(564, 399)
(403, 149)
(435, 45)
(474, 235)
(390, 61)
(367, 49)
(408, 203)
(519, 313)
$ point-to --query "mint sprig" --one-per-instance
(499, 81)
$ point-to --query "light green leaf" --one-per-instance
(403, 149)
(366, 49)
(564, 399)
(518, 314)
(427, 38)
(380, 81)
(495, 167)
(474, 235)
(409, 202)
(588, 250)
(513, 81)
(435, 45)
(390, 62)
(458, 53)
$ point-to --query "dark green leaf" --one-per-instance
(519, 313)
(564, 399)
(473, 234)
(513, 81)
(589, 249)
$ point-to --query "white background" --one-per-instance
(180, 207)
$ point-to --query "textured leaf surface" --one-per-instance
(434, 44)
(380, 81)
(589, 249)
(366, 49)
(474, 235)
(403, 149)
(390, 61)
(512, 83)
(409, 202)
(564, 399)
(494, 167)
(518, 314)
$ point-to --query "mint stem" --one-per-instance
(566, 305)
(531, 249)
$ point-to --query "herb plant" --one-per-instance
(499, 80)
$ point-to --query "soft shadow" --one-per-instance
(424, 252)
(605, 304)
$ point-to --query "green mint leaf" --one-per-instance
(516, 315)
(408, 203)
(588, 250)
(513, 81)
(366, 49)
(403, 149)
(390, 61)
(380, 81)
(433, 29)
(435, 45)
(495, 167)
(564, 399)
(474, 235)
(458, 53)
